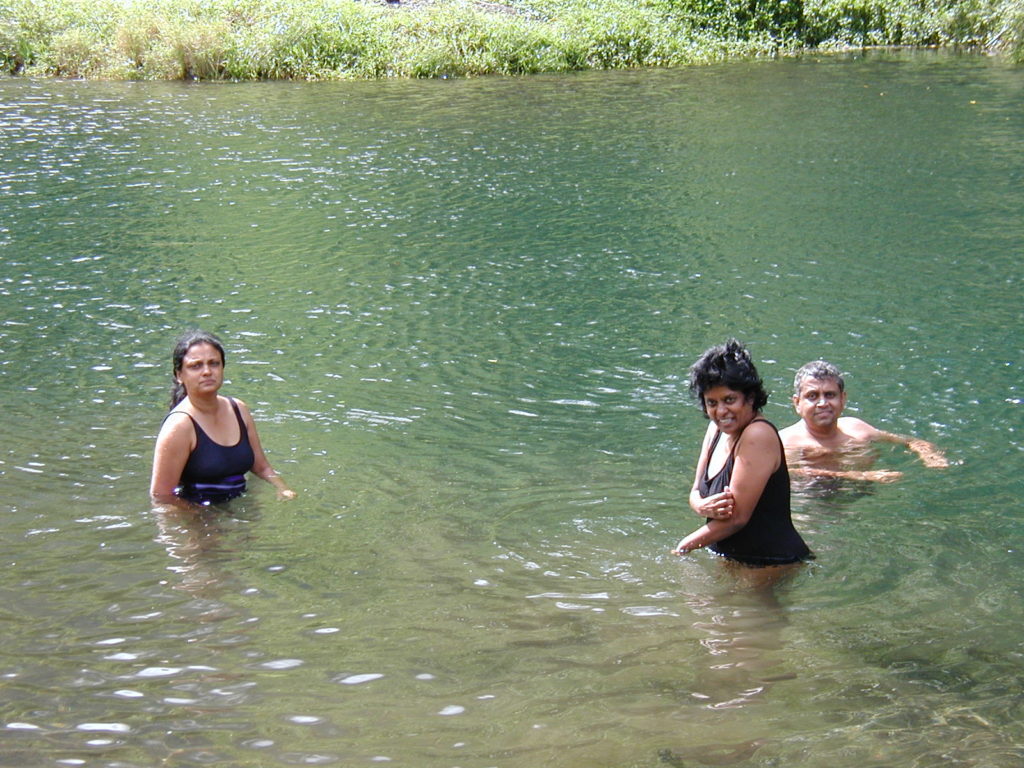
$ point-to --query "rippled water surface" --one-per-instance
(462, 312)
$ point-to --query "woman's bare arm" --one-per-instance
(261, 466)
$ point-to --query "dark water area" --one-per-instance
(462, 313)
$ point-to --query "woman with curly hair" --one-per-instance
(742, 483)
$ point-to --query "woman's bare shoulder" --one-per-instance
(239, 402)
(176, 424)
(759, 435)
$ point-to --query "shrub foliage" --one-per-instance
(329, 39)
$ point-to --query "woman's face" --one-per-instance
(202, 370)
(730, 410)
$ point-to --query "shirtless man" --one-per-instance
(826, 443)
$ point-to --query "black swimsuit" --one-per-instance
(215, 473)
(769, 537)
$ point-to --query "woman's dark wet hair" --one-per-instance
(185, 342)
(727, 364)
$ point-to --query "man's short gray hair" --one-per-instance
(818, 369)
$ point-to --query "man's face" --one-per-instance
(819, 402)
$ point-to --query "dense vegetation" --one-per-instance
(324, 39)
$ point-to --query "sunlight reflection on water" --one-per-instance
(465, 339)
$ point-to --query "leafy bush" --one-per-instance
(323, 39)
(741, 19)
(902, 22)
(313, 41)
(1014, 34)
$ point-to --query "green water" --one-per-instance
(462, 312)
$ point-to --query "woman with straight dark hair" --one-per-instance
(207, 442)
(742, 483)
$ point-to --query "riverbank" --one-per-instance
(336, 39)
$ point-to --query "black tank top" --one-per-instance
(215, 473)
(769, 538)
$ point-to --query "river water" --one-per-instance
(462, 313)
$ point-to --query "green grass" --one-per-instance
(333, 39)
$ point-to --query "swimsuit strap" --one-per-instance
(735, 445)
(183, 413)
(753, 420)
(732, 450)
(243, 432)
(774, 429)
(711, 450)
(238, 415)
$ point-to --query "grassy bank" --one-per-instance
(331, 39)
